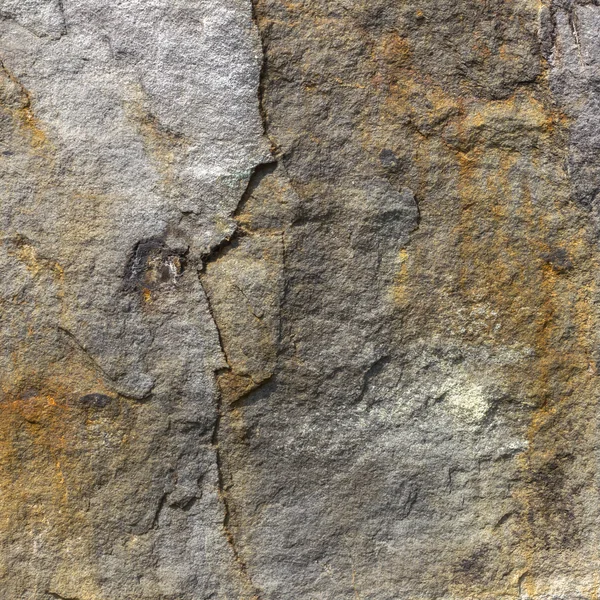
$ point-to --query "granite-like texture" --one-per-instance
(299, 300)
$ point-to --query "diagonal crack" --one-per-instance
(125, 393)
(59, 597)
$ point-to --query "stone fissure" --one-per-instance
(59, 597)
(222, 408)
(217, 442)
(125, 393)
(315, 319)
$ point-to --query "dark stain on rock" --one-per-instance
(388, 158)
(559, 260)
(95, 400)
(554, 503)
(475, 565)
(153, 264)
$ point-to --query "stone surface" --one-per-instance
(299, 300)
(129, 131)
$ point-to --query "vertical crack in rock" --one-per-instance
(237, 381)
(243, 568)
(261, 83)
(117, 185)
(223, 406)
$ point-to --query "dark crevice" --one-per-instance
(152, 263)
(275, 150)
(258, 174)
(56, 595)
(222, 491)
(520, 583)
(159, 507)
(214, 320)
(61, 8)
(26, 95)
(372, 372)
(220, 249)
(215, 440)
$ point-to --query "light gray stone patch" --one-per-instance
(129, 133)
(42, 18)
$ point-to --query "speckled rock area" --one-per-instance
(299, 300)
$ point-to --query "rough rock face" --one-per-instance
(299, 300)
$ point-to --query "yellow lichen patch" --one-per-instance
(16, 100)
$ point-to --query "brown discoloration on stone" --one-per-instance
(453, 102)
(16, 101)
(494, 265)
(164, 146)
(47, 470)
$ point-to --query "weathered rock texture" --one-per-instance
(299, 300)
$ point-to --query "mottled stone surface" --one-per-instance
(128, 133)
(299, 300)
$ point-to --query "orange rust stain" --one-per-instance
(394, 51)
(496, 265)
(18, 103)
(146, 295)
(45, 434)
(41, 405)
